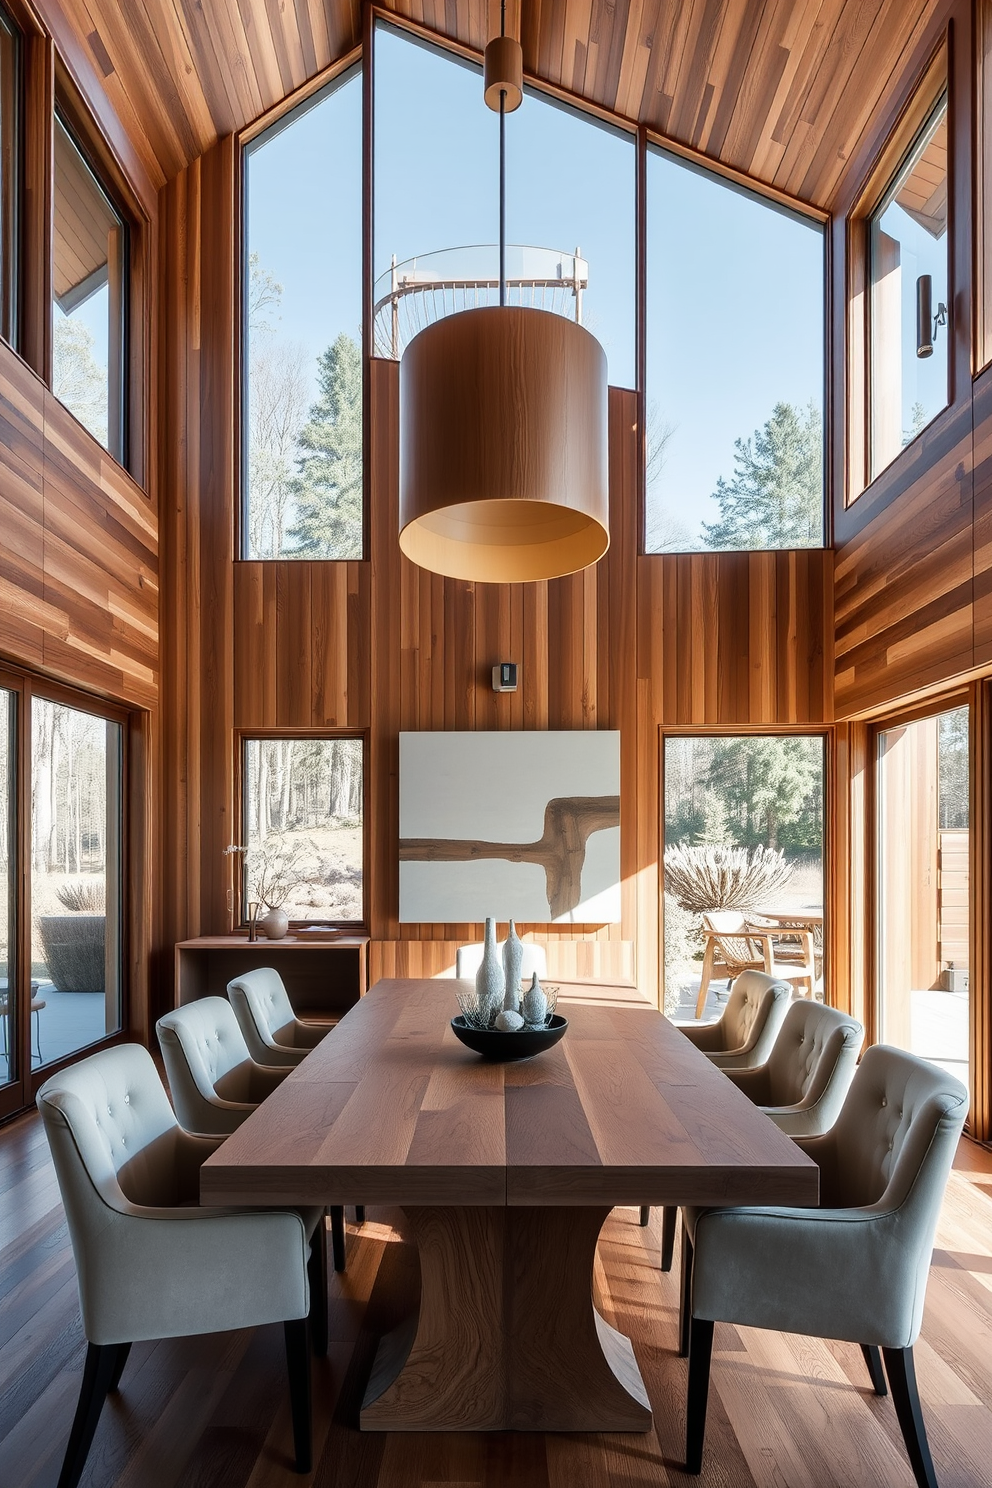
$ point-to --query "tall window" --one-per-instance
(735, 369)
(302, 806)
(9, 175)
(743, 867)
(90, 271)
(302, 404)
(569, 199)
(76, 920)
(910, 302)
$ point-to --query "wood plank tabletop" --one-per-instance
(391, 1108)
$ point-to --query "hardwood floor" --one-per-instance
(213, 1412)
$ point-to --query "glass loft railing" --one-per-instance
(419, 291)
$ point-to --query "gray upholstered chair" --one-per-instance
(744, 1035)
(150, 1263)
(808, 1073)
(468, 959)
(216, 1084)
(273, 1033)
(801, 1086)
(214, 1081)
(856, 1268)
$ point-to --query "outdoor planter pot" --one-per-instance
(74, 946)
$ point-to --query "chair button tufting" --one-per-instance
(884, 1101)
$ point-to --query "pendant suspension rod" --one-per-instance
(502, 171)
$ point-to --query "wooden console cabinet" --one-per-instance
(323, 978)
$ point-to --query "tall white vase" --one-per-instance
(513, 961)
(489, 982)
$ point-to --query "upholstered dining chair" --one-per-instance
(214, 1081)
(855, 1268)
(150, 1263)
(744, 1035)
(803, 1083)
(801, 1086)
(468, 959)
(273, 1033)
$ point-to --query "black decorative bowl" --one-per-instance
(491, 1043)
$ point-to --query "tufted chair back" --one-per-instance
(263, 1010)
(812, 1064)
(757, 1003)
(901, 1119)
(213, 1079)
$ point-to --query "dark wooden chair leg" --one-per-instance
(298, 1360)
(669, 1223)
(123, 1349)
(337, 1236)
(700, 1352)
(645, 1215)
(685, 1295)
(317, 1276)
(874, 1361)
(98, 1371)
(359, 1214)
(901, 1369)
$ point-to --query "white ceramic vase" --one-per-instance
(513, 961)
(489, 981)
(535, 1004)
(274, 924)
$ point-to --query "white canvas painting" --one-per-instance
(513, 825)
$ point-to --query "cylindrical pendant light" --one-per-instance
(503, 426)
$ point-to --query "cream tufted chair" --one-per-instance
(809, 1070)
(854, 1269)
(744, 1036)
(151, 1263)
(273, 1033)
(801, 1086)
(468, 959)
(214, 1081)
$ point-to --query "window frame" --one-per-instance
(310, 95)
(244, 736)
(16, 1095)
(940, 104)
(651, 142)
(12, 193)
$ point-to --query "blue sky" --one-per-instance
(735, 287)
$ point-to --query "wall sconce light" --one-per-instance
(926, 321)
(505, 676)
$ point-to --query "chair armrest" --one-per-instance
(705, 1036)
(753, 1081)
(264, 1078)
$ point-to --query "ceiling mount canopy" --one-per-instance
(503, 423)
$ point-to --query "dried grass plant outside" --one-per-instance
(86, 897)
(706, 878)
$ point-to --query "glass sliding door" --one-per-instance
(75, 877)
(923, 889)
(8, 881)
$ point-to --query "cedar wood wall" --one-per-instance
(704, 641)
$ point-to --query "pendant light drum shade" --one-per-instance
(503, 446)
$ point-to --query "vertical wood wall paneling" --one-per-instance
(197, 464)
(982, 464)
(980, 912)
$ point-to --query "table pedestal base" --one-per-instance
(507, 1337)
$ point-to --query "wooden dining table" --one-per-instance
(506, 1174)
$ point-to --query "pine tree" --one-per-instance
(775, 497)
(328, 488)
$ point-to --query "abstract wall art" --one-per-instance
(523, 825)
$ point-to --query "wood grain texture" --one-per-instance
(623, 1110)
(214, 1410)
(79, 562)
(781, 92)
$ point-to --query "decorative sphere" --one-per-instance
(509, 1022)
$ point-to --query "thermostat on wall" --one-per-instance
(505, 676)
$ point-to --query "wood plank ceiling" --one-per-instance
(780, 89)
